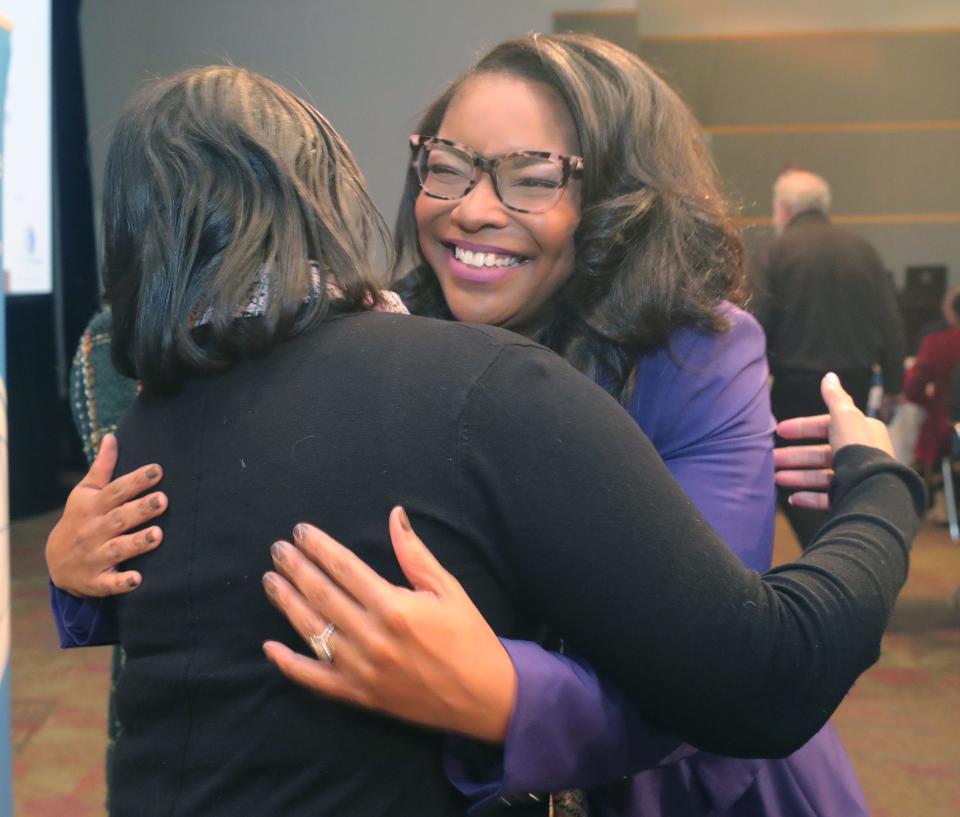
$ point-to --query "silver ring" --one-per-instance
(321, 643)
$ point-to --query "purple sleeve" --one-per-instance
(599, 738)
(83, 622)
(704, 403)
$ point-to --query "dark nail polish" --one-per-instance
(405, 521)
(270, 585)
(149, 537)
(277, 549)
(154, 503)
(153, 472)
(299, 532)
(132, 582)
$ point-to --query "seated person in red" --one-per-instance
(927, 384)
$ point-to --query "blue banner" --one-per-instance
(6, 760)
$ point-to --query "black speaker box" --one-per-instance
(920, 302)
(925, 284)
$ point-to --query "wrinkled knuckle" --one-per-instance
(368, 677)
(117, 520)
(393, 616)
(333, 567)
(305, 624)
(361, 688)
(315, 622)
(378, 650)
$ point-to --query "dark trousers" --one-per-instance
(796, 393)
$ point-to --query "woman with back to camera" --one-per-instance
(566, 331)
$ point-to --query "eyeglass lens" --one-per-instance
(524, 182)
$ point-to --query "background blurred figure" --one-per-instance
(826, 304)
(948, 317)
(928, 384)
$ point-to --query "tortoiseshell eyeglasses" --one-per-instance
(528, 181)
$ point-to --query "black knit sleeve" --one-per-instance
(604, 545)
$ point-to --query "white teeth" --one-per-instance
(485, 259)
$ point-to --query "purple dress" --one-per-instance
(705, 405)
(710, 421)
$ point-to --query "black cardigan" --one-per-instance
(536, 490)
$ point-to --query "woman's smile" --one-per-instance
(477, 263)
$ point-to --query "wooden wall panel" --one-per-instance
(829, 78)
(877, 113)
(874, 172)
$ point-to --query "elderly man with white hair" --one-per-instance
(796, 192)
(827, 304)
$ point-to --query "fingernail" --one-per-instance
(270, 585)
(149, 537)
(831, 379)
(405, 520)
(132, 582)
(153, 472)
(278, 551)
(299, 532)
(154, 503)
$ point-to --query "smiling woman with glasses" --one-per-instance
(630, 267)
(561, 189)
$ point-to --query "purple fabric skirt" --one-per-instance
(815, 781)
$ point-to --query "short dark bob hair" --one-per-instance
(221, 188)
(656, 247)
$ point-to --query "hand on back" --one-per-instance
(92, 539)
(424, 654)
(808, 468)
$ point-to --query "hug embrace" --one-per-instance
(575, 420)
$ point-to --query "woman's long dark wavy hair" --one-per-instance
(656, 248)
(222, 186)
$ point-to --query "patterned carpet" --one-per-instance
(901, 723)
(59, 697)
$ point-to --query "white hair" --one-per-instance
(800, 191)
